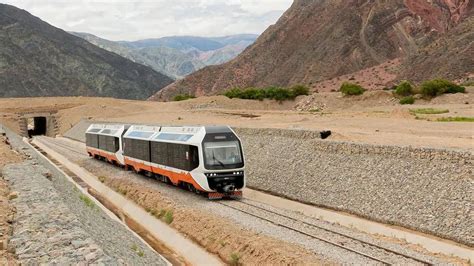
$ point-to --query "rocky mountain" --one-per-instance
(319, 40)
(177, 56)
(37, 59)
(451, 56)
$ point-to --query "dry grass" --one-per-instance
(429, 111)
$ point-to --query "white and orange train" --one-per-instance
(204, 159)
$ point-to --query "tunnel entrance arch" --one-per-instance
(34, 124)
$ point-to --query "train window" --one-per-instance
(102, 142)
(92, 140)
(110, 144)
(139, 149)
(193, 157)
(222, 155)
(159, 153)
(117, 144)
(179, 156)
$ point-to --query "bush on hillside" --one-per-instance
(274, 93)
(404, 89)
(233, 93)
(183, 97)
(436, 87)
(298, 90)
(407, 100)
(351, 89)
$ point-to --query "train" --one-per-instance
(208, 160)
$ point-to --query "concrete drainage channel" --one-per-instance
(177, 249)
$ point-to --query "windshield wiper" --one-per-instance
(215, 159)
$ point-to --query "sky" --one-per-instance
(142, 19)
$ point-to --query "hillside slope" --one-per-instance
(451, 56)
(308, 45)
(37, 59)
(177, 56)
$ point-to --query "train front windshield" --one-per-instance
(222, 155)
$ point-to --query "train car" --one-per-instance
(105, 142)
(206, 159)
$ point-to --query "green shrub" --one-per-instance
(407, 100)
(137, 250)
(253, 94)
(348, 88)
(233, 93)
(436, 87)
(183, 97)
(456, 119)
(87, 201)
(298, 90)
(273, 93)
(404, 89)
(234, 259)
(429, 111)
(277, 93)
(168, 218)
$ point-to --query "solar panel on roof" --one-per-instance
(174, 137)
(109, 131)
(140, 134)
(94, 130)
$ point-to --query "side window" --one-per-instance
(159, 153)
(117, 144)
(193, 157)
(102, 142)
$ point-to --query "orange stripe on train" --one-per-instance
(110, 158)
(174, 177)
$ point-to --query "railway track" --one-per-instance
(66, 147)
(371, 251)
(361, 247)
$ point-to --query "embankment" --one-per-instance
(424, 189)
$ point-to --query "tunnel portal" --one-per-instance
(34, 124)
(38, 126)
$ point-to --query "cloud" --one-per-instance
(140, 19)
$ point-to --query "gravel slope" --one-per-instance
(56, 224)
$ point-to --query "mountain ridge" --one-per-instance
(302, 48)
(176, 56)
(38, 59)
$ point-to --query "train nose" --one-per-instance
(229, 188)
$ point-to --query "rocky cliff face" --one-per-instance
(317, 40)
(37, 59)
(451, 56)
